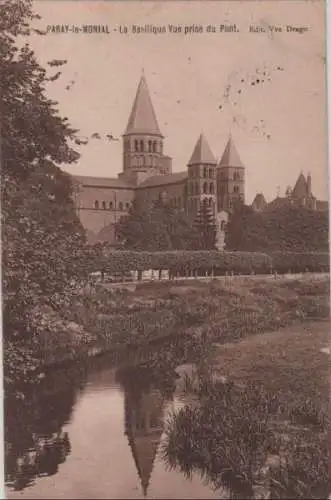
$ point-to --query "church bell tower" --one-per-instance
(143, 141)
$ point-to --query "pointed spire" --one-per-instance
(143, 118)
(300, 188)
(230, 156)
(144, 439)
(202, 153)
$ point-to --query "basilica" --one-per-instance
(147, 175)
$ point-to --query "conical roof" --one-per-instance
(202, 153)
(259, 201)
(300, 188)
(144, 442)
(143, 118)
(230, 156)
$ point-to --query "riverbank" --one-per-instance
(97, 319)
(262, 412)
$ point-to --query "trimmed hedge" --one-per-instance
(182, 262)
(297, 262)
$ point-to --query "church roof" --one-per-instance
(202, 153)
(143, 118)
(230, 156)
(161, 180)
(300, 189)
(104, 182)
(259, 201)
(278, 203)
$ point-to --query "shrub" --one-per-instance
(297, 262)
(181, 262)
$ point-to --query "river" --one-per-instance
(95, 431)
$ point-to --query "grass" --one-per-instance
(289, 358)
(215, 311)
(274, 405)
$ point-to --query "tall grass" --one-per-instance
(229, 437)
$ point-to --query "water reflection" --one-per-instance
(35, 443)
(144, 403)
(94, 432)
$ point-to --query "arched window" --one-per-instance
(205, 171)
(120, 205)
(96, 204)
(142, 145)
(210, 201)
(236, 189)
(127, 206)
(136, 145)
(154, 146)
(149, 146)
(104, 205)
(210, 173)
(205, 188)
(110, 205)
(211, 188)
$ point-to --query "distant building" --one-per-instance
(147, 174)
(259, 203)
(301, 195)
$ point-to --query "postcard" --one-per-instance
(165, 257)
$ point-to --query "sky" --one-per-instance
(267, 89)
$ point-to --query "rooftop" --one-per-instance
(161, 180)
(202, 153)
(143, 118)
(230, 156)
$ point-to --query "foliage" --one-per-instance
(178, 261)
(160, 227)
(297, 262)
(233, 438)
(228, 431)
(205, 226)
(288, 228)
(40, 231)
(237, 225)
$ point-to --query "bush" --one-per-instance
(181, 262)
(298, 262)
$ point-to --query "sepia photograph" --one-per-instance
(165, 249)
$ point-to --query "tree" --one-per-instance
(41, 233)
(205, 226)
(160, 227)
(236, 226)
(285, 228)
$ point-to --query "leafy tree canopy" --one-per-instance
(160, 227)
(40, 231)
(287, 228)
(205, 226)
